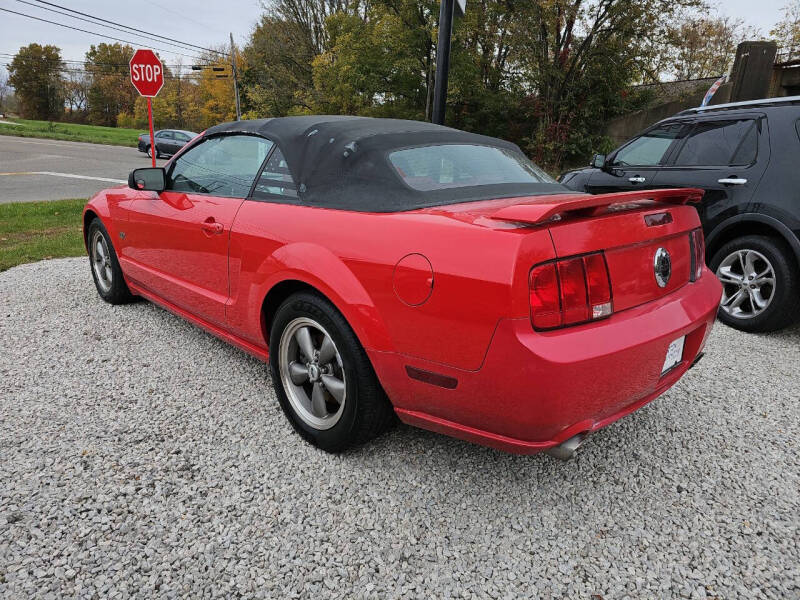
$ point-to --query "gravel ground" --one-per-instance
(141, 457)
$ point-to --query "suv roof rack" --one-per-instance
(745, 104)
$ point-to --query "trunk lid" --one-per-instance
(629, 228)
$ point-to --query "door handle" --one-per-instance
(637, 179)
(211, 227)
(732, 181)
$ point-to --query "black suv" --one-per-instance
(746, 156)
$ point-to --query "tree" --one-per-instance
(543, 74)
(215, 96)
(787, 31)
(577, 59)
(5, 92)
(177, 106)
(703, 47)
(376, 66)
(35, 74)
(277, 78)
(110, 91)
(76, 93)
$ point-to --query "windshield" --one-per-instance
(437, 167)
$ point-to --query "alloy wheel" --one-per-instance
(748, 281)
(312, 373)
(101, 261)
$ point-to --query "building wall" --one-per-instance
(754, 75)
(625, 127)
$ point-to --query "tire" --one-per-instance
(761, 283)
(103, 263)
(334, 401)
(150, 154)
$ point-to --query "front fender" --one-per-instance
(303, 261)
(97, 206)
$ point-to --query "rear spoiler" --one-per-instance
(551, 207)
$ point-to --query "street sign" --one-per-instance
(147, 72)
(147, 76)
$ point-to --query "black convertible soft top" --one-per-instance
(341, 161)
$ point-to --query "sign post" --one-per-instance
(147, 76)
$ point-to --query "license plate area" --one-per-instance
(674, 354)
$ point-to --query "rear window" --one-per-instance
(437, 167)
(720, 143)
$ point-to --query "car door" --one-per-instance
(178, 239)
(181, 139)
(164, 141)
(635, 164)
(726, 156)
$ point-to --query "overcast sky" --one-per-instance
(205, 23)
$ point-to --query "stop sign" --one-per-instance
(147, 72)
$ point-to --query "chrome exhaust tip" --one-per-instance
(566, 450)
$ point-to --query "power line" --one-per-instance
(77, 12)
(93, 32)
(71, 70)
(66, 14)
(108, 64)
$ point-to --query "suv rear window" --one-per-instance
(437, 167)
(720, 143)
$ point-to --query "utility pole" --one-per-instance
(446, 13)
(442, 60)
(235, 81)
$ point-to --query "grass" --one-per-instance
(73, 132)
(31, 231)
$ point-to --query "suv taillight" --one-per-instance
(570, 291)
(697, 246)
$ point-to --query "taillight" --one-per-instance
(598, 284)
(697, 246)
(570, 291)
(544, 292)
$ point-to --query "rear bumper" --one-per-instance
(142, 146)
(536, 390)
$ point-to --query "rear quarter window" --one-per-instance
(720, 143)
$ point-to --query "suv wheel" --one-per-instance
(761, 291)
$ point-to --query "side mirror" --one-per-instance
(149, 179)
(598, 161)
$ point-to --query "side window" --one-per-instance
(222, 166)
(164, 135)
(720, 143)
(276, 181)
(650, 148)
(181, 137)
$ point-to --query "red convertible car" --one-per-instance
(388, 267)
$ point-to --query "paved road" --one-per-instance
(37, 169)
